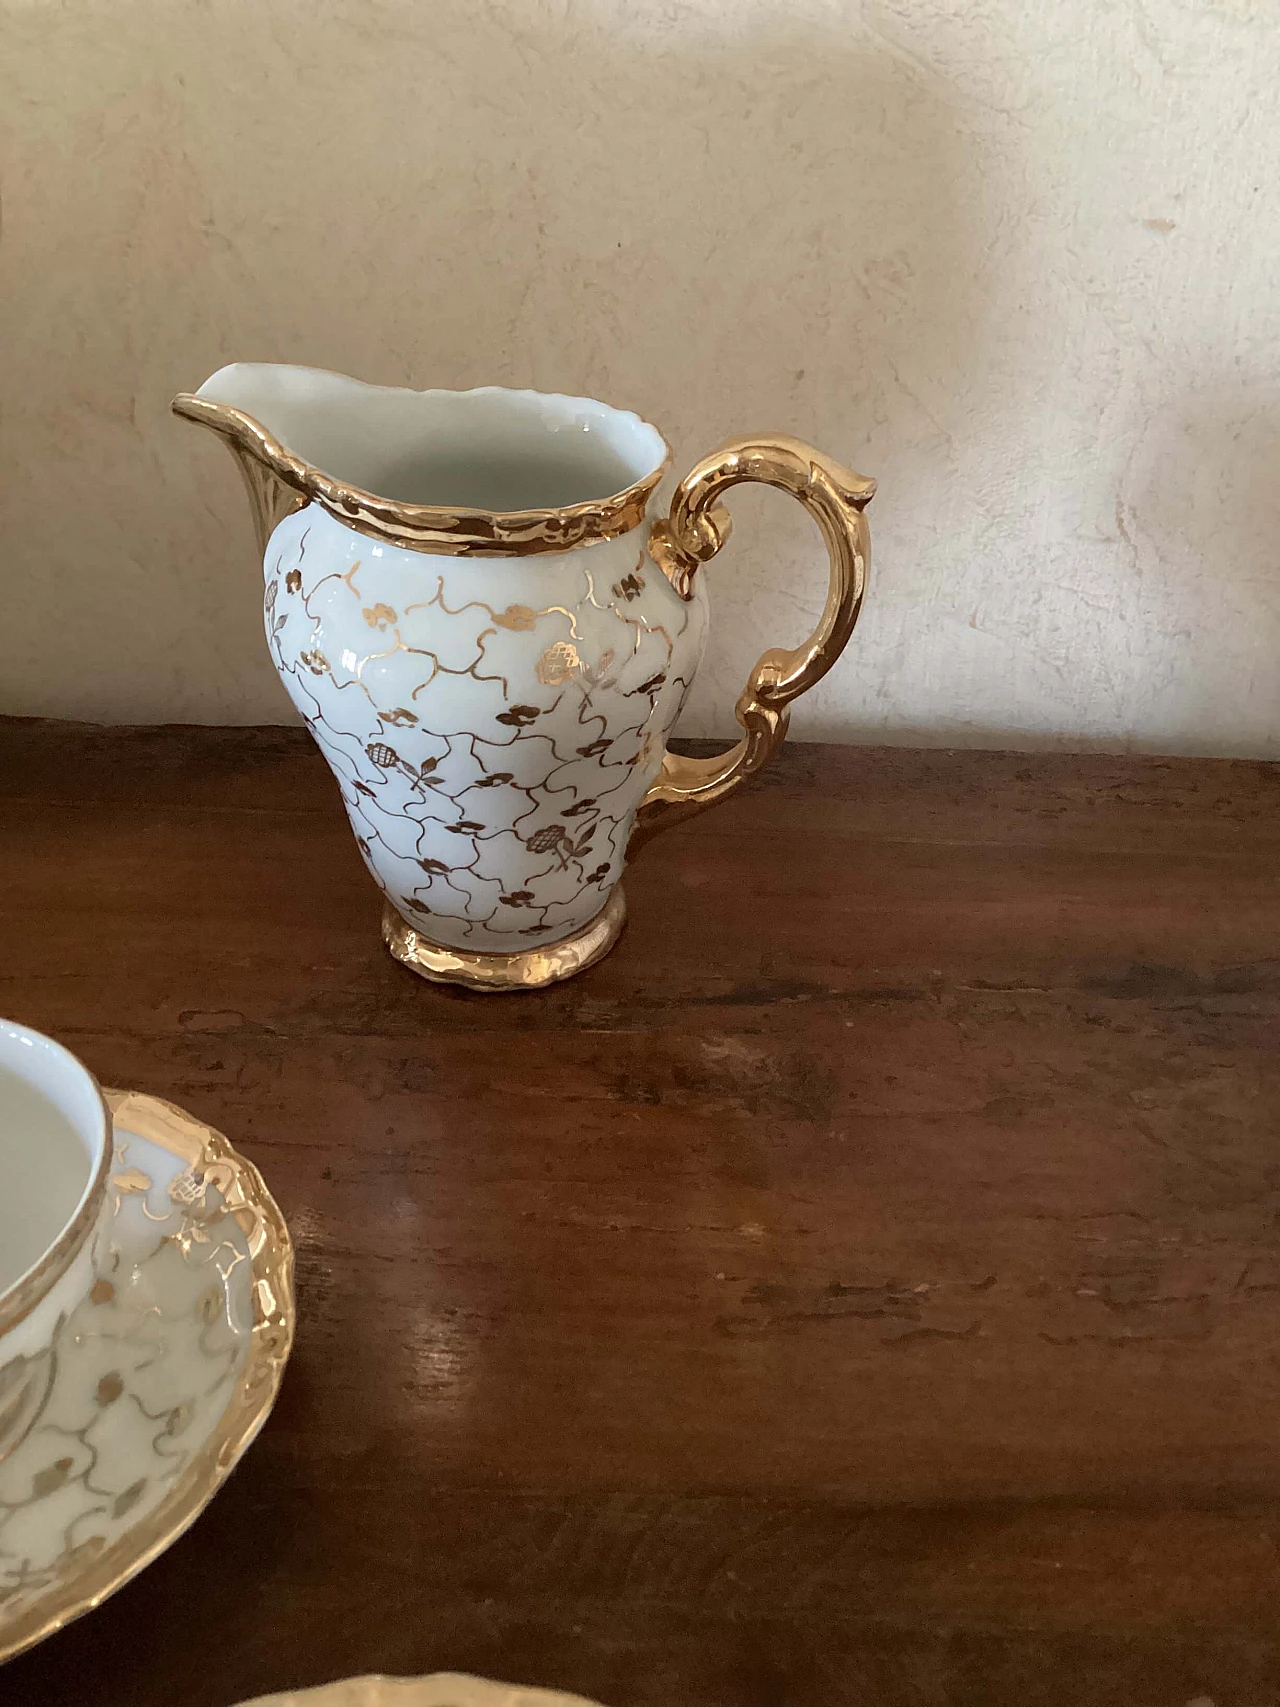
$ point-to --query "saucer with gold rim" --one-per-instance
(164, 1373)
(441, 1689)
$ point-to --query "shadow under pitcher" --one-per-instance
(491, 641)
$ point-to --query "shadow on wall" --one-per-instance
(1202, 506)
(1171, 610)
(731, 223)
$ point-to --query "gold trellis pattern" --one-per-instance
(161, 1376)
(491, 751)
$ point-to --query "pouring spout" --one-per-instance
(261, 459)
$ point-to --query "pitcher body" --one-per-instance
(493, 723)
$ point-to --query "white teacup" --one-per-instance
(55, 1157)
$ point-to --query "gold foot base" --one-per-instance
(528, 969)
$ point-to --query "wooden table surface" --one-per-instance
(862, 1288)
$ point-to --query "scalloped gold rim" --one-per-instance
(271, 1338)
(428, 527)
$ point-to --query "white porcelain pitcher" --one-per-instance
(491, 641)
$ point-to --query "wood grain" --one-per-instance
(862, 1287)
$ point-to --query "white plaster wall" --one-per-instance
(1017, 258)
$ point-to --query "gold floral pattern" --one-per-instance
(557, 664)
(519, 618)
(161, 1377)
(491, 753)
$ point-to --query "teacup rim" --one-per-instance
(24, 1294)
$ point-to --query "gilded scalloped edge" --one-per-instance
(429, 527)
(271, 1338)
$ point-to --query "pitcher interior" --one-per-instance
(52, 1130)
(490, 449)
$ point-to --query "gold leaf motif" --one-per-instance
(129, 1498)
(209, 1304)
(595, 676)
(103, 1292)
(519, 716)
(132, 1182)
(379, 616)
(178, 1419)
(400, 717)
(520, 618)
(110, 1388)
(557, 664)
(546, 840)
(293, 580)
(51, 1477)
(189, 1190)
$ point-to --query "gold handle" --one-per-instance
(695, 530)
